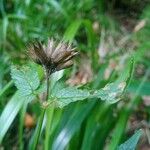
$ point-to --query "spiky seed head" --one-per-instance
(53, 56)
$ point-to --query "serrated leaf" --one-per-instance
(131, 143)
(70, 94)
(10, 111)
(111, 92)
(26, 79)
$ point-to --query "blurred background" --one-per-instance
(106, 33)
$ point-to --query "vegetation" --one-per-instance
(102, 101)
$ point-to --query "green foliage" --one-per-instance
(72, 30)
(67, 95)
(72, 125)
(87, 118)
(110, 93)
(34, 141)
(123, 118)
(10, 112)
(131, 143)
(26, 79)
(145, 88)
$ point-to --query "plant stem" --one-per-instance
(40, 122)
(47, 84)
(49, 112)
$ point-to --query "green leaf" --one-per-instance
(127, 72)
(124, 115)
(17, 16)
(70, 94)
(111, 92)
(10, 111)
(72, 30)
(58, 7)
(72, 125)
(5, 27)
(22, 114)
(6, 87)
(34, 140)
(90, 33)
(26, 79)
(92, 126)
(131, 143)
(144, 90)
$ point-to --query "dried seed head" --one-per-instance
(53, 56)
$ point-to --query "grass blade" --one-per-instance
(72, 30)
(10, 112)
(131, 143)
(71, 127)
(34, 141)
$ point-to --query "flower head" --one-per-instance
(52, 56)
